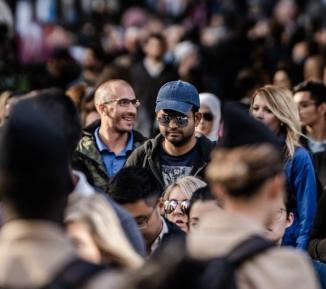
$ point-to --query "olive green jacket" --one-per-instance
(88, 160)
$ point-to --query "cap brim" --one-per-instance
(178, 106)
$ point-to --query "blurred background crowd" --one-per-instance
(226, 47)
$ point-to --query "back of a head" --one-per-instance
(242, 171)
(132, 184)
(315, 88)
(61, 110)
(35, 179)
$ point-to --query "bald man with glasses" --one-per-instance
(107, 143)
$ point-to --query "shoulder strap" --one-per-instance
(74, 275)
(248, 249)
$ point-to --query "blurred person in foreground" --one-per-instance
(61, 110)
(35, 184)
(249, 179)
(96, 232)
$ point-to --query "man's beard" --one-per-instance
(180, 142)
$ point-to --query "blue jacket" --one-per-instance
(300, 175)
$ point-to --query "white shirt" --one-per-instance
(159, 238)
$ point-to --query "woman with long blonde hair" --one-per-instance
(275, 107)
(96, 232)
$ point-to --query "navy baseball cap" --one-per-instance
(177, 95)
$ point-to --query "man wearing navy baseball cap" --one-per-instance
(176, 151)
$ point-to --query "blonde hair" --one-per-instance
(187, 185)
(280, 101)
(241, 171)
(97, 213)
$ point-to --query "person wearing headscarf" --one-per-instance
(210, 107)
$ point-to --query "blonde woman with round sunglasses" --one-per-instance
(176, 200)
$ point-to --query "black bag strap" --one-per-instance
(74, 275)
(248, 249)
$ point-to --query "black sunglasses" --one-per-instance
(179, 120)
(171, 205)
(208, 116)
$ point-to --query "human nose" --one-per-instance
(259, 114)
(173, 123)
(132, 108)
(178, 210)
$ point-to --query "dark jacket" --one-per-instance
(174, 234)
(319, 160)
(148, 155)
(88, 159)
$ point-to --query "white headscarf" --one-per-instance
(213, 103)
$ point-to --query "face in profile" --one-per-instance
(176, 208)
(147, 217)
(198, 210)
(280, 220)
(83, 239)
(206, 123)
(262, 112)
(309, 112)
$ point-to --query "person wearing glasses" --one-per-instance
(210, 108)
(106, 144)
(310, 96)
(176, 151)
(137, 191)
(176, 200)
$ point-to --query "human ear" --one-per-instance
(289, 219)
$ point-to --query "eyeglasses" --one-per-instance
(278, 214)
(179, 120)
(143, 221)
(124, 102)
(208, 116)
(305, 104)
(171, 205)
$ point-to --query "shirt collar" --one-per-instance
(159, 238)
(102, 147)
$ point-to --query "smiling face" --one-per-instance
(262, 112)
(178, 216)
(176, 134)
(118, 116)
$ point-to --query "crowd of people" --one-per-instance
(162, 144)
